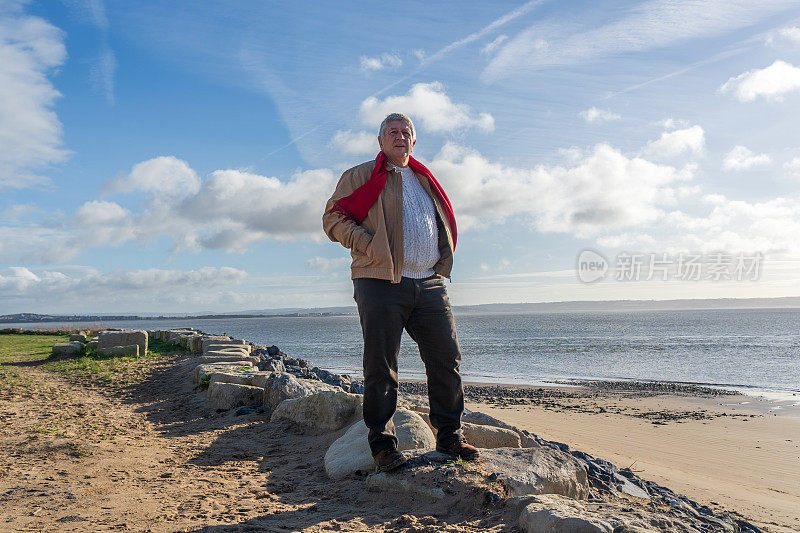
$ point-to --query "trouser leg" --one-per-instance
(432, 326)
(383, 308)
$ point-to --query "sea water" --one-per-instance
(753, 350)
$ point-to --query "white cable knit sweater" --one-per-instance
(420, 234)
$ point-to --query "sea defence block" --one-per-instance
(175, 335)
(77, 337)
(230, 395)
(107, 339)
(208, 341)
(246, 348)
(251, 378)
(203, 359)
(228, 351)
(131, 350)
(65, 349)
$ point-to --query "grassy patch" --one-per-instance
(20, 351)
(204, 383)
(113, 370)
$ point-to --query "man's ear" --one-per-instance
(380, 142)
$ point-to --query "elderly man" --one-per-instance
(399, 226)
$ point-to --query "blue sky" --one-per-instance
(156, 157)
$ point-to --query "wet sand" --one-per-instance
(726, 451)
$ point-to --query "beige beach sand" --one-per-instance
(747, 460)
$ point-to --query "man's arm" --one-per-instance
(337, 228)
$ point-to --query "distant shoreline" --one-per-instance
(789, 302)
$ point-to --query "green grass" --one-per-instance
(119, 370)
(17, 351)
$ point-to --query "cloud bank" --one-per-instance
(30, 132)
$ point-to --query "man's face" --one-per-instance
(397, 142)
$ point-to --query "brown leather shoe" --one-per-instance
(459, 449)
(389, 459)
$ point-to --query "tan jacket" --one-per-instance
(383, 226)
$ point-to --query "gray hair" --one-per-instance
(397, 116)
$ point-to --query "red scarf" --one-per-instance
(356, 206)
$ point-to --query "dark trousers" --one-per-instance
(421, 307)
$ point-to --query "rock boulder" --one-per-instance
(351, 452)
(558, 514)
(490, 436)
(279, 387)
(320, 412)
(537, 470)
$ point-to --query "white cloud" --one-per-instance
(490, 48)
(793, 166)
(651, 24)
(428, 104)
(234, 208)
(30, 132)
(674, 143)
(598, 115)
(98, 213)
(101, 223)
(742, 158)
(770, 83)
(51, 289)
(168, 175)
(323, 264)
(791, 34)
(381, 62)
(602, 191)
(362, 142)
(673, 123)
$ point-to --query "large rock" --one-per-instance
(272, 365)
(205, 371)
(230, 395)
(217, 347)
(558, 514)
(204, 359)
(490, 436)
(279, 387)
(320, 412)
(351, 451)
(538, 470)
(77, 337)
(131, 350)
(108, 339)
(67, 349)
